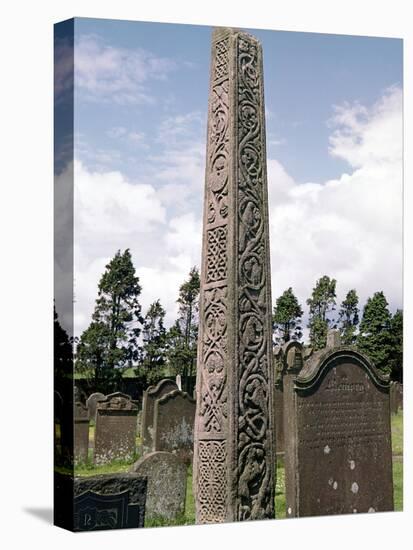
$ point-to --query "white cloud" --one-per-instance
(349, 228)
(105, 73)
(113, 213)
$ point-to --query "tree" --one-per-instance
(396, 356)
(321, 304)
(287, 318)
(110, 343)
(375, 338)
(154, 341)
(349, 318)
(183, 336)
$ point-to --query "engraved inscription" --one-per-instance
(355, 423)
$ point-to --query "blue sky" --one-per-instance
(333, 113)
(305, 75)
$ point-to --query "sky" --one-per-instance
(334, 157)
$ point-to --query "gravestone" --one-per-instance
(149, 397)
(166, 491)
(178, 381)
(81, 432)
(234, 455)
(91, 404)
(111, 501)
(279, 400)
(333, 338)
(338, 450)
(174, 424)
(115, 431)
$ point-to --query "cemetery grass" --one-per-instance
(188, 518)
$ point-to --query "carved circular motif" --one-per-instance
(252, 331)
(253, 271)
(218, 172)
(249, 115)
(214, 362)
(219, 124)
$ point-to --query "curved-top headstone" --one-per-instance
(150, 395)
(338, 450)
(91, 403)
(174, 424)
(166, 491)
(109, 501)
(115, 431)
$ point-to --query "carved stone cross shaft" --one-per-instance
(234, 464)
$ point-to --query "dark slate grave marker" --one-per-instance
(81, 432)
(150, 395)
(115, 431)
(113, 501)
(174, 424)
(338, 450)
(167, 476)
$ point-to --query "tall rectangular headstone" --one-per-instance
(150, 395)
(81, 432)
(338, 448)
(174, 417)
(115, 431)
(234, 457)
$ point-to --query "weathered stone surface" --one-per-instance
(174, 424)
(149, 397)
(115, 431)
(234, 458)
(81, 432)
(333, 338)
(288, 362)
(112, 501)
(279, 401)
(338, 450)
(91, 403)
(166, 475)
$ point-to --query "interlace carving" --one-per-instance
(255, 478)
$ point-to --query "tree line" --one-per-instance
(120, 336)
(377, 332)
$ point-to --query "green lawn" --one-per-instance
(188, 518)
(397, 433)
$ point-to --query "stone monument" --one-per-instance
(166, 492)
(81, 432)
(234, 458)
(150, 395)
(338, 453)
(109, 501)
(174, 417)
(288, 362)
(91, 403)
(115, 431)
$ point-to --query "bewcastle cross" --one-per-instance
(234, 456)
